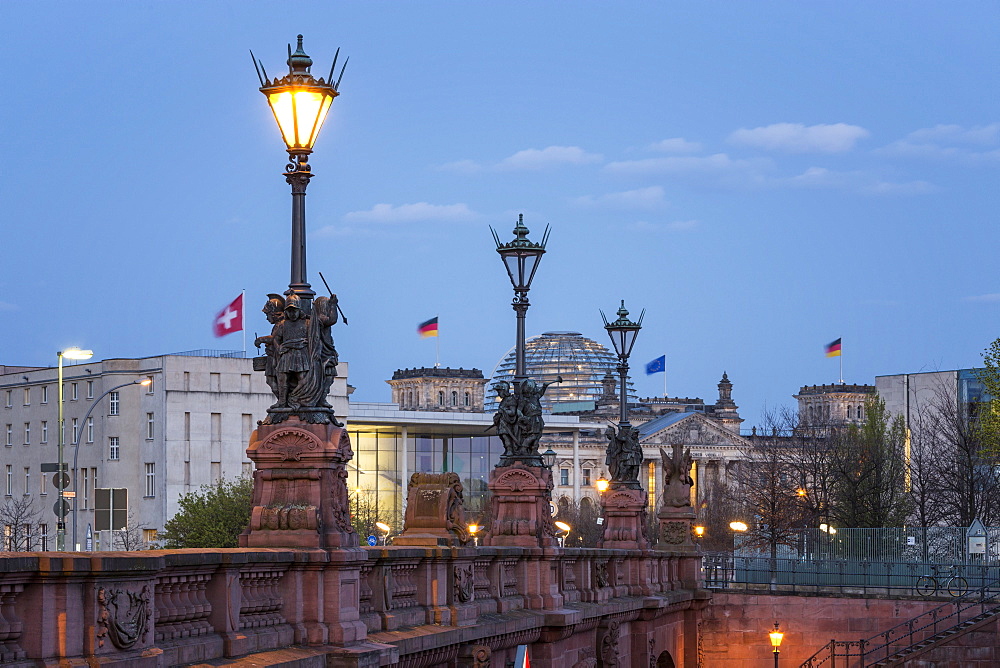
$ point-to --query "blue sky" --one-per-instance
(761, 177)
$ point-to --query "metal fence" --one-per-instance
(840, 576)
(894, 544)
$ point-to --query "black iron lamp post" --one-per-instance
(776, 636)
(300, 103)
(625, 454)
(521, 257)
(549, 458)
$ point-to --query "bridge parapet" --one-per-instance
(172, 607)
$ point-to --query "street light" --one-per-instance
(70, 354)
(300, 103)
(776, 635)
(623, 333)
(738, 526)
(549, 457)
(76, 447)
(602, 485)
(565, 528)
(474, 529)
(521, 257)
(382, 526)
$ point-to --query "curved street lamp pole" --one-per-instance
(72, 354)
(76, 447)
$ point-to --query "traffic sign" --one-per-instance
(69, 495)
(372, 541)
(61, 508)
(52, 467)
(61, 480)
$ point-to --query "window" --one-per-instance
(440, 398)
(215, 382)
(45, 394)
(454, 398)
(27, 481)
(409, 399)
(9, 395)
(27, 396)
(149, 388)
(149, 426)
(90, 430)
(74, 392)
(113, 448)
(10, 479)
(564, 477)
(467, 398)
(150, 479)
(10, 435)
(44, 478)
(586, 477)
(187, 381)
(43, 535)
(114, 404)
(90, 389)
(86, 487)
(45, 431)
(149, 535)
(651, 484)
(76, 430)
(27, 433)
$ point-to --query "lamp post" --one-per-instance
(776, 635)
(386, 529)
(565, 529)
(76, 446)
(300, 103)
(70, 354)
(623, 333)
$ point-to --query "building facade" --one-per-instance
(438, 389)
(823, 406)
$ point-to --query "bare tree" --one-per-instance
(367, 509)
(19, 521)
(132, 537)
(582, 518)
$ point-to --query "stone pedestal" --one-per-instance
(522, 516)
(434, 512)
(624, 519)
(300, 487)
(676, 528)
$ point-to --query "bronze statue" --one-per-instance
(519, 421)
(301, 360)
(506, 418)
(624, 455)
(677, 479)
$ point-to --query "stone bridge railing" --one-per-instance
(394, 606)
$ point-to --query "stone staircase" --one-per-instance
(911, 652)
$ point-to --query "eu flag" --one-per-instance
(657, 365)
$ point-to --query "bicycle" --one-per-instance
(947, 579)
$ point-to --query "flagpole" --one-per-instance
(841, 361)
(664, 376)
(437, 346)
(243, 317)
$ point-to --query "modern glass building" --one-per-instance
(581, 362)
(391, 444)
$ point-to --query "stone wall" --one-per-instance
(734, 626)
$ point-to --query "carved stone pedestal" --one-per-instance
(434, 512)
(520, 507)
(675, 528)
(624, 519)
(300, 487)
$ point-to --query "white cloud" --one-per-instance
(550, 156)
(675, 145)
(971, 144)
(862, 182)
(642, 198)
(799, 138)
(410, 213)
(990, 298)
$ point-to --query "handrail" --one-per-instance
(869, 649)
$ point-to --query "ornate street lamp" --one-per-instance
(300, 103)
(549, 457)
(776, 635)
(62, 479)
(625, 444)
(521, 257)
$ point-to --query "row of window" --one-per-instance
(88, 480)
(75, 426)
(22, 540)
(72, 395)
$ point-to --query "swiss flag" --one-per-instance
(229, 319)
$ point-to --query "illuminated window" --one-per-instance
(651, 483)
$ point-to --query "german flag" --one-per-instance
(833, 349)
(430, 328)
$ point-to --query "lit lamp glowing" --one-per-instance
(699, 531)
(382, 526)
(70, 354)
(300, 104)
(565, 528)
(738, 526)
(800, 491)
(776, 635)
(474, 529)
(602, 485)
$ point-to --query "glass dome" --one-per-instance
(581, 362)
